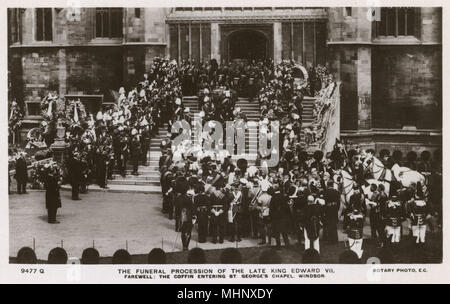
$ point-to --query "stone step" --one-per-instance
(155, 175)
(134, 182)
(146, 189)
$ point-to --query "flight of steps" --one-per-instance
(148, 180)
(307, 119)
(250, 109)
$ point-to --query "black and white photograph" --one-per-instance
(224, 135)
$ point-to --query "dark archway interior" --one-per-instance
(248, 44)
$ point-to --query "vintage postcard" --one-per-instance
(176, 142)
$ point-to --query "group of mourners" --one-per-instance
(231, 200)
(227, 198)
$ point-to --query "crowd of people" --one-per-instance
(234, 200)
(227, 199)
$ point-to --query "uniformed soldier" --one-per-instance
(332, 199)
(419, 213)
(202, 207)
(135, 149)
(218, 215)
(186, 216)
(299, 208)
(355, 231)
(263, 205)
(374, 202)
(313, 224)
(75, 172)
(393, 216)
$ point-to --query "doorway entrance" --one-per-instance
(247, 45)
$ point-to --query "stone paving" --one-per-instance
(111, 220)
(108, 220)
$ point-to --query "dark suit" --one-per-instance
(201, 202)
(52, 198)
(74, 167)
(186, 210)
(21, 175)
(280, 215)
(332, 199)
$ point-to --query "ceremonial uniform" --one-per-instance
(234, 215)
(298, 209)
(52, 198)
(376, 226)
(218, 218)
(135, 148)
(332, 199)
(393, 216)
(355, 231)
(313, 224)
(186, 213)
(280, 215)
(418, 213)
(75, 172)
(264, 218)
(202, 206)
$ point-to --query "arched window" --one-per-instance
(397, 21)
(108, 23)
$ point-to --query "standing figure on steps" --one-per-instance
(135, 148)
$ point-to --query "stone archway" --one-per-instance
(248, 45)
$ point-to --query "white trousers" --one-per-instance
(356, 246)
(394, 233)
(315, 243)
(419, 231)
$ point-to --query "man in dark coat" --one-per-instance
(201, 202)
(313, 223)
(74, 166)
(52, 198)
(135, 148)
(21, 175)
(332, 199)
(279, 215)
(187, 211)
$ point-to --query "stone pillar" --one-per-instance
(62, 72)
(277, 42)
(364, 88)
(215, 42)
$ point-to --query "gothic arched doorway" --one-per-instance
(247, 45)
